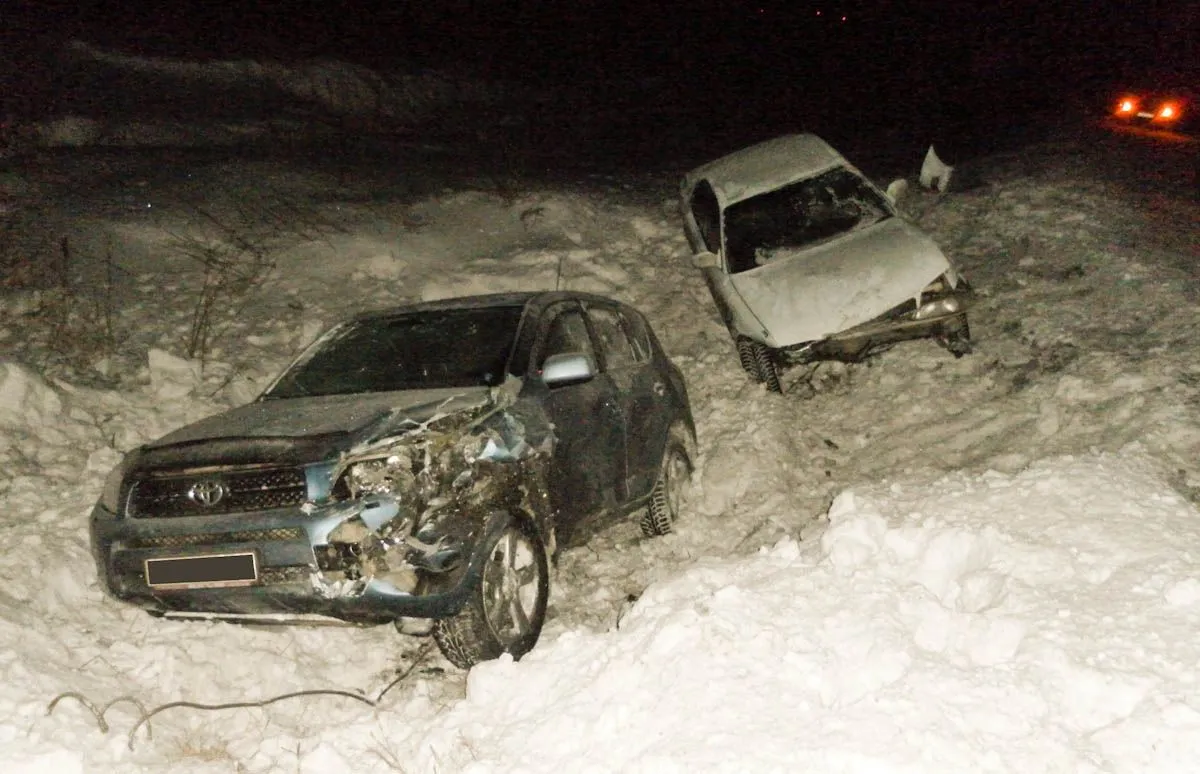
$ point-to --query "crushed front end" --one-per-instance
(939, 312)
(381, 530)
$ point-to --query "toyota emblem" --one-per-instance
(206, 494)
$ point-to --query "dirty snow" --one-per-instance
(916, 564)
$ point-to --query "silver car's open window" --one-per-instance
(782, 222)
(707, 214)
(421, 350)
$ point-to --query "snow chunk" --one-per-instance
(935, 173)
(171, 377)
(25, 399)
(853, 538)
(1183, 593)
(381, 266)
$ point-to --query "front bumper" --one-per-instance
(289, 581)
(895, 325)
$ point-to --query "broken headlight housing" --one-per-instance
(392, 474)
(110, 496)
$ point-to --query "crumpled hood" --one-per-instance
(320, 425)
(811, 294)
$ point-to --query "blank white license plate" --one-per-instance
(203, 572)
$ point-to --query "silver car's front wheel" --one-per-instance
(768, 372)
(958, 340)
(745, 350)
(757, 361)
(507, 609)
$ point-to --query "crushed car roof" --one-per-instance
(764, 167)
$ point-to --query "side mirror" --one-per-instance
(706, 260)
(897, 189)
(567, 368)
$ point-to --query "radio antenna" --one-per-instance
(562, 261)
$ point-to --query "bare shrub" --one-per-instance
(228, 273)
(234, 246)
(195, 748)
(28, 258)
(81, 319)
(64, 323)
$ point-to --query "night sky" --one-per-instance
(580, 34)
(757, 57)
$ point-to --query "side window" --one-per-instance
(639, 336)
(615, 344)
(567, 333)
(707, 213)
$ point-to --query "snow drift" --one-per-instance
(165, 102)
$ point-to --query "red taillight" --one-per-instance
(1168, 111)
(1127, 106)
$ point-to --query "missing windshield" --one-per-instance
(786, 221)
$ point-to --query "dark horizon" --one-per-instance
(511, 36)
(742, 69)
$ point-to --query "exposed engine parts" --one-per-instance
(409, 506)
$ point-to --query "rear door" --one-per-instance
(587, 476)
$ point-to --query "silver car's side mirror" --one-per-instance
(706, 260)
(896, 189)
(567, 368)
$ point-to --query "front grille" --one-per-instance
(280, 534)
(205, 493)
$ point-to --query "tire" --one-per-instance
(756, 361)
(768, 374)
(745, 350)
(670, 490)
(507, 608)
(959, 341)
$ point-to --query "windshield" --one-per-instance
(420, 350)
(801, 215)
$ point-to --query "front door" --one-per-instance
(587, 477)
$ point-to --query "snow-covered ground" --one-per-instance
(916, 564)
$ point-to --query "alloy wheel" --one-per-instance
(512, 584)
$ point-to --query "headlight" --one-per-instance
(938, 308)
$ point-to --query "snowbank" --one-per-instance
(1037, 622)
